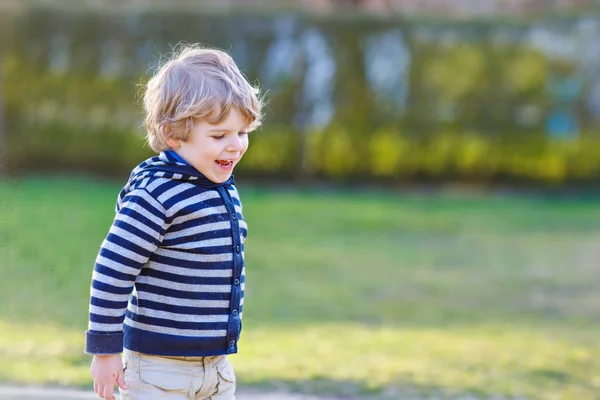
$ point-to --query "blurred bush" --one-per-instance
(349, 97)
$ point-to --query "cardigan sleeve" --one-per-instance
(137, 231)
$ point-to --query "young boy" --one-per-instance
(168, 283)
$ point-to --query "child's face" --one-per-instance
(214, 150)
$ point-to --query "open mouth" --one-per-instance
(225, 163)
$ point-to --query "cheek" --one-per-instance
(245, 144)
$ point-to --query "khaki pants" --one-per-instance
(177, 378)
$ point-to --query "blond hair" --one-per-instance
(196, 83)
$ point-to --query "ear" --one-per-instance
(173, 143)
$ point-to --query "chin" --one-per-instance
(222, 179)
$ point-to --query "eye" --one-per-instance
(219, 137)
(242, 133)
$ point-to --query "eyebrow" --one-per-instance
(220, 130)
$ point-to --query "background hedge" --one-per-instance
(350, 98)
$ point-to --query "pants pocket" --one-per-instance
(131, 377)
(225, 372)
(169, 378)
(225, 382)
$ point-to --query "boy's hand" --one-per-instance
(107, 371)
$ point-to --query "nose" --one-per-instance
(235, 144)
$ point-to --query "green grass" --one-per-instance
(351, 293)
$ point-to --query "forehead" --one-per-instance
(234, 120)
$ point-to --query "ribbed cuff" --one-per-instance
(103, 342)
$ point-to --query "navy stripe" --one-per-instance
(127, 210)
(113, 273)
(145, 319)
(216, 234)
(181, 309)
(110, 288)
(137, 232)
(108, 303)
(193, 280)
(171, 345)
(105, 319)
(202, 220)
(111, 255)
(160, 189)
(126, 244)
(192, 191)
(181, 294)
(202, 249)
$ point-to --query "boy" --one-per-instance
(168, 283)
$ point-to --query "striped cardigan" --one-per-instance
(169, 277)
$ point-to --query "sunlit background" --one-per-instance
(423, 199)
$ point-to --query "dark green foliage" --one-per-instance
(475, 108)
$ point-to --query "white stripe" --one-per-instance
(155, 183)
(141, 210)
(186, 287)
(130, 237)
(183, 302)
(95, 326)
(194, 230)
(174, 191)
(96, 276)
(144, 183)
(115, 248)
(177, 317)
(135, 223)
(100, 294)
(108, 312)
(187, 256)
(224, 241)
(191, 272)
(243, 225)
(204, 196)
(234, 193)
(177, 332)
(117, 266)
(204, 212)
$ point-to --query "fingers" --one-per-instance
(108, 392)
(121, 381)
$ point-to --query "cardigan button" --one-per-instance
(232, 343)
(235, 311)
(237, 249)
(234, 216)
(236, 282)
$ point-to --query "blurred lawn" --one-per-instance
(348, 293)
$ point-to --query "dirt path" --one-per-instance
(23, 393)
